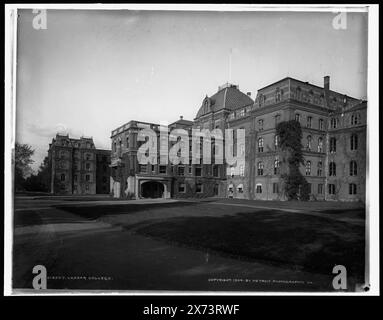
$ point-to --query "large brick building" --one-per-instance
(334, 142)
(77, 167)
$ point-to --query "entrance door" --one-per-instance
(152, 189)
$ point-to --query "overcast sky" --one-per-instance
(92, 71)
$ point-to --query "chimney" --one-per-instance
(326, 83)
(249, 94)
(181, 117)
(326, 87)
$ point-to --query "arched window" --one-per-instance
(319, 171)
(332, 169)
(352, 188)
(276, 166)
(308, 168)
(260, 144)
(308, 146)
(320, 144)
(297, 117)
(354, 142)
(353, 168)
(332, 144)
(260, 168)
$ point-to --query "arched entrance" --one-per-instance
(152, 189)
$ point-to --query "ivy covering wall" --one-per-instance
(290, 141)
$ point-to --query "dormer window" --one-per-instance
(311, 96)
(260, 124)
(355, 119)
(334, 123)
(278, 95)
(261, 100)
(298, 93)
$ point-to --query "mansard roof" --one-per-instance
(228, 97)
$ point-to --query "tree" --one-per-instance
(40, 181)
(290, 137)
(23, 160)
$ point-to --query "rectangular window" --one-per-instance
(331, 188)
(352, 188)
(319, 170)
(309, 188)
(163, 169)
(153, 168)
(87, 187)
(354, 142)
(215, 171)
(143, 168)
(332, 144)
(242, 170)
(198, 171)
(216, 189)
(181, 171)
(260, 124)
(320, 188)
(75, 178)
(320, 124)
(275, 188)
(181, 188)
(87, 177)
(87, 166)
(309, 122)
(198, 187)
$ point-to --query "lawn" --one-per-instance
(294, 240)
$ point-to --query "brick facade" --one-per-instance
(77, 167)
(324, 115)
